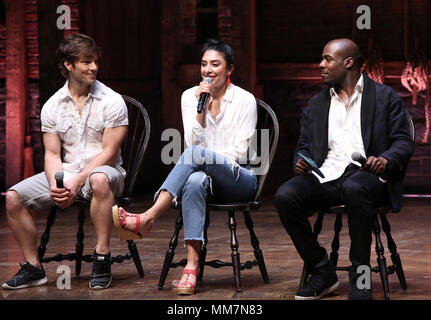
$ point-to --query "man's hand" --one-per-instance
(302, 167)
(72, 185)
(60, 196)
(375, 165)
(65, 197)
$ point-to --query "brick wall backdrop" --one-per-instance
(32, 58)
(2, 91)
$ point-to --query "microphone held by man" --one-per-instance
(61, 194)
(376, 165)
(59, 176)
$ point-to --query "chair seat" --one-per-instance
(342, 209)
(239, 206)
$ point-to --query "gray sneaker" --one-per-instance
(101, 277)
(27, 276)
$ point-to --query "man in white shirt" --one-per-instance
(83, 124)
(354, 114)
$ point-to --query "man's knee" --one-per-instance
(353, 191)
(13, 201)
(100, 184)
(284, 197)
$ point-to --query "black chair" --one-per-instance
(381, 267)
(132, 153)
(267, 123)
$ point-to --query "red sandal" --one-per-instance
(191, 289)
(119, 216)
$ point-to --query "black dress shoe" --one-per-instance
(322, 282)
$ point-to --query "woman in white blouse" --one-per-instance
(215, 163)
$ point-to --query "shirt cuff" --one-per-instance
(113, 124)
(48, 129)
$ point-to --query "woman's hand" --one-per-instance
(203, 87)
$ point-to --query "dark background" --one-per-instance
(151, 52)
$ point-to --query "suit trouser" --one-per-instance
(360, 191)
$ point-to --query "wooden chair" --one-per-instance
(267, 120)
(132, 153)
(381, 267)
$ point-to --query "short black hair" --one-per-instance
(221, 46)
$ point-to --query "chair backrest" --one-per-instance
(135, 143)
(411, 126)
(267, 120)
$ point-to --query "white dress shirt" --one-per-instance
(81, 135)
(230, 133)
(344, 134)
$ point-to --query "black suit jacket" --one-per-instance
(384, 126)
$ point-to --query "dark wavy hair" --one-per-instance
(74, 47)
(220, 46)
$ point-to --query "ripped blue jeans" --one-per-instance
(201, 174)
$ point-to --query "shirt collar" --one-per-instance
(96, 91)
(228, 96)
(358, 87)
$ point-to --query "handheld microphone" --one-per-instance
(356, 156)
(204, 96)
(59, 176)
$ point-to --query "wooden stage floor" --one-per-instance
(410, 229)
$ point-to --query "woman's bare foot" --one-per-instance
(188, 280)
(146, 221)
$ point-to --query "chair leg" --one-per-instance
(135, 256)
(203, 252)
(235, 253)
(255, 243)
(45, 237)
(170, 253)
(381, 260)
(336, 240)
(395, 257)
(79, 247)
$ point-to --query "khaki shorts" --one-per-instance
(35, 191)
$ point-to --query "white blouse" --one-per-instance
(232, 130)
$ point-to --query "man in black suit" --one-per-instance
(353, 114)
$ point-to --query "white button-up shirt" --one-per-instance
(344, 134)
(81, 135)
(230, 133)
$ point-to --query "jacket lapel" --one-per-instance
(320, 127)
(368, 106)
